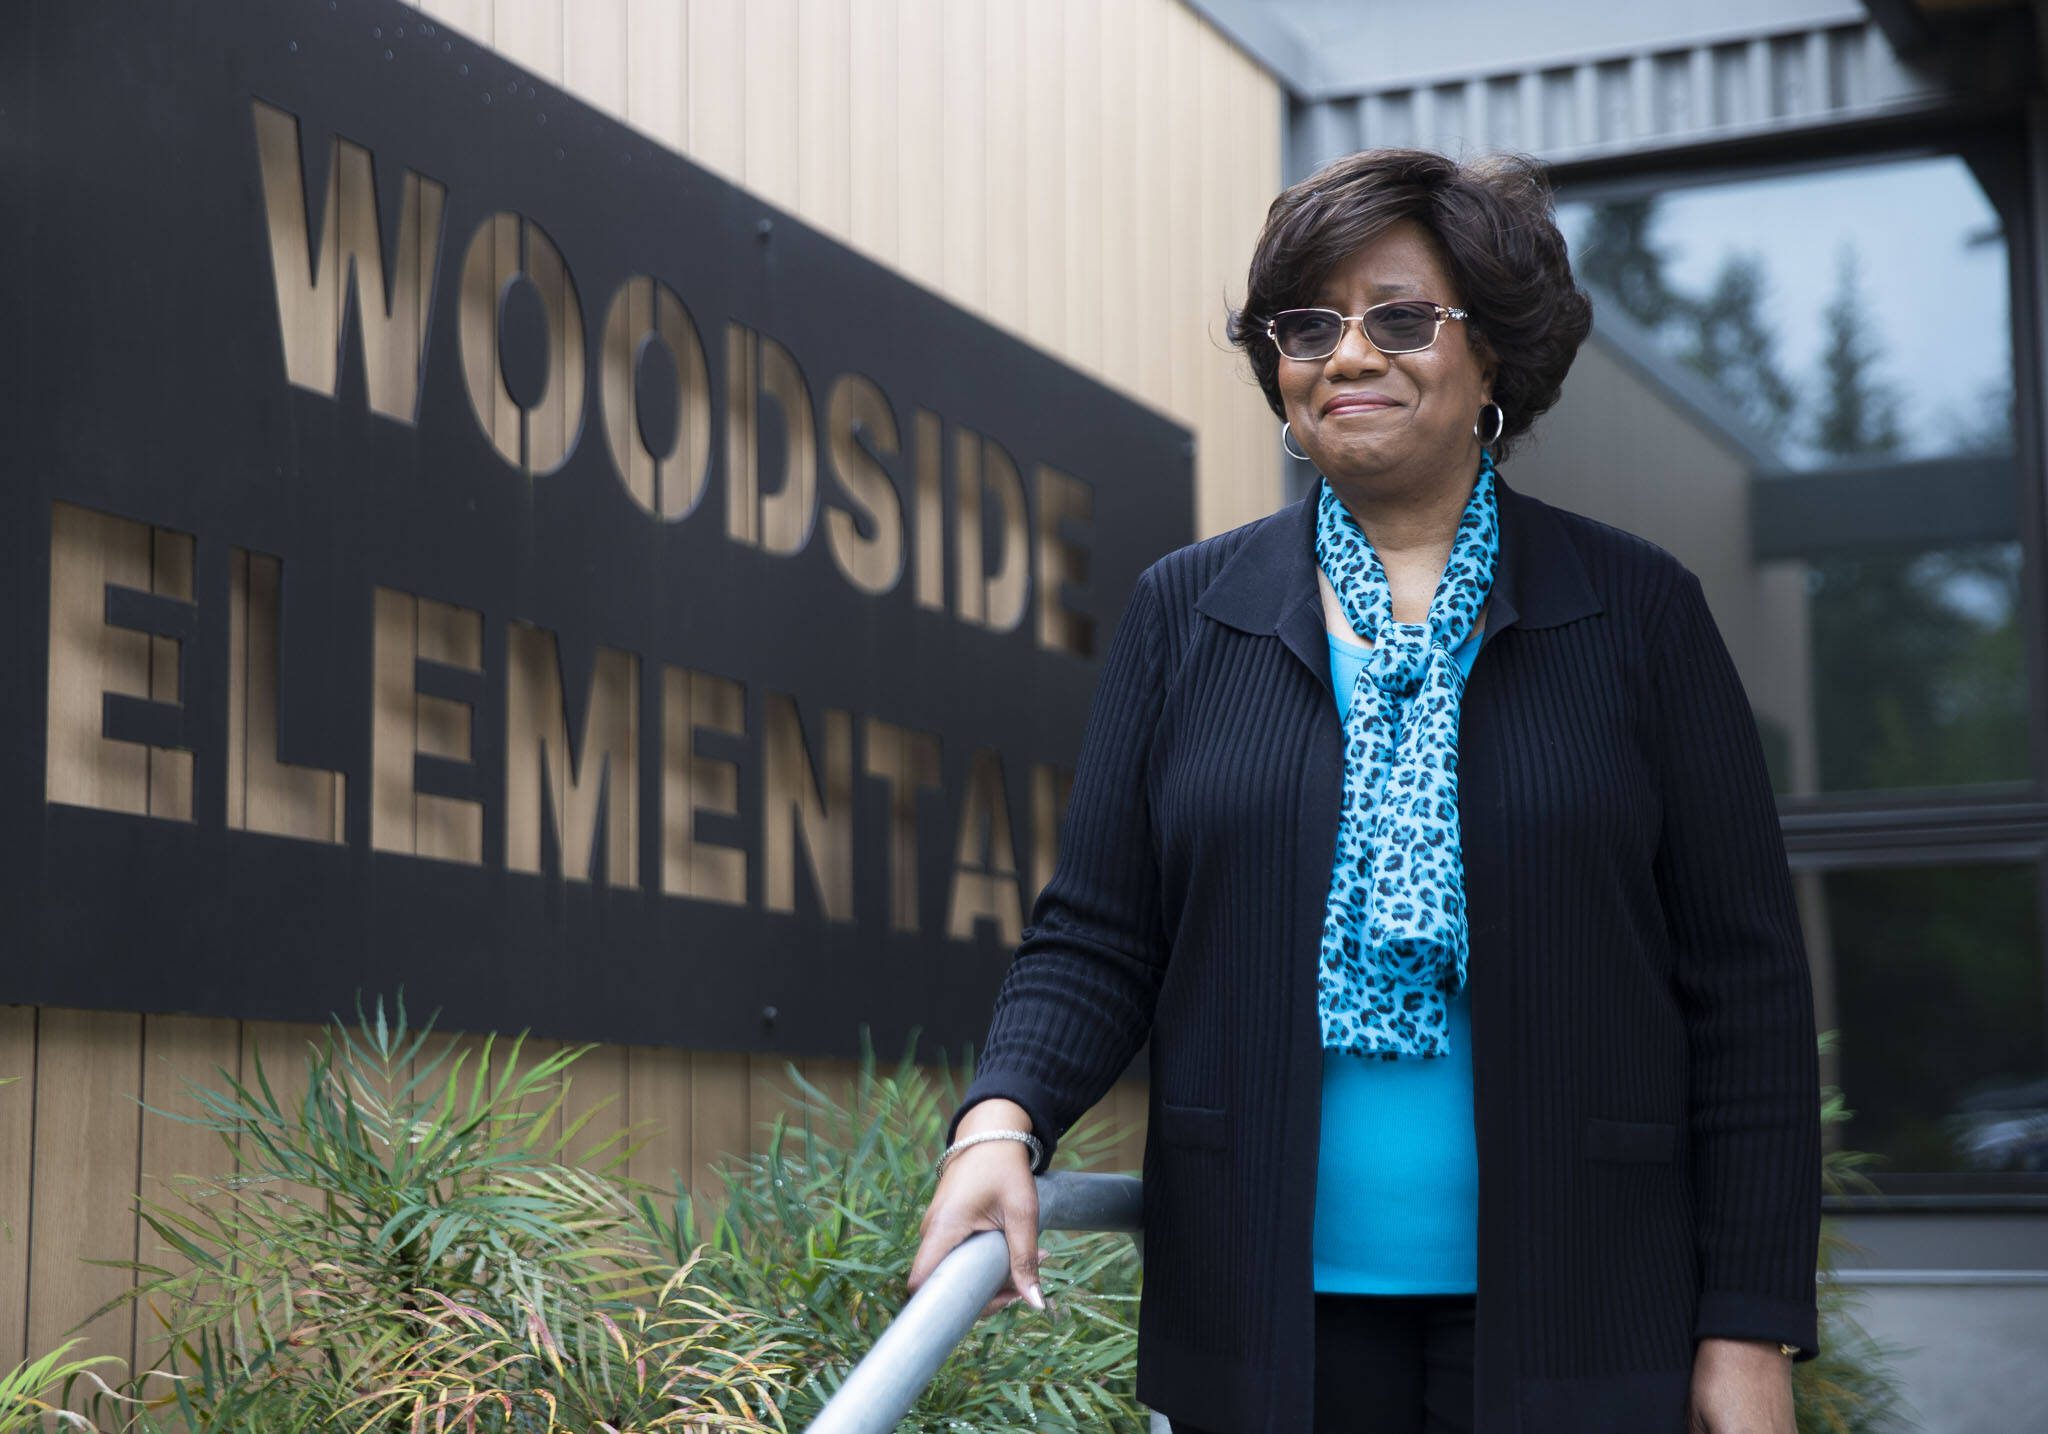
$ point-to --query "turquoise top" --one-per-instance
(1397, 1186)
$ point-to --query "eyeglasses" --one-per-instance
(1399, 326)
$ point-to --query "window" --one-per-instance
(1802, 383)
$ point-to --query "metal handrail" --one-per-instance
(887, 1381)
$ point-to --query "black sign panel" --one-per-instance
(454, 543)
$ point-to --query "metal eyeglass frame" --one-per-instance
(1443, 315)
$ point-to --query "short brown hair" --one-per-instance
(1494, 226)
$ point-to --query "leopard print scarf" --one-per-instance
(1394, 932)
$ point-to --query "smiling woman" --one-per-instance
(1387, 224)
(1423, 829)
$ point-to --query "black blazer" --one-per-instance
(1645, 1078)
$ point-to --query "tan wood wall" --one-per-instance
(1088, 174)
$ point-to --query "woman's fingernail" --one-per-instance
(1033, 1298)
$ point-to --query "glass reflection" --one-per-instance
(1839, 315)
(1934, 978)
(1802, 386)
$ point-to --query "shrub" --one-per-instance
(822, 1227)
(406, 1247)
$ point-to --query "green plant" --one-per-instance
(682, 1365)
(26, 1390)
(408, 1247)
(821, 1228)
(349, 1271)
(1849, 1387)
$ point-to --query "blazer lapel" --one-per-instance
(1269, 584)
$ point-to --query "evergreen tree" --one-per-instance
(1617, 256)
(1857, 418)
(1734, 348)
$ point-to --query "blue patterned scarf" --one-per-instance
(1394, 933)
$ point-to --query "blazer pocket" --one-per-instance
(1649, 1141)
(1202, 1125)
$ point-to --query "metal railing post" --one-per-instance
(887, 1381)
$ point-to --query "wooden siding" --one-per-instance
(1088, 174)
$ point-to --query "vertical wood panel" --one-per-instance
(1001, 191)
(529, 32)
(1185, 274)
(472, 17)
(920, 126)
(1215, 126)
(17, 1136)
(1044, 173)
(835, 1076)
(963, 156)
(597, 1082)
(770, 1092)
(1082, 63)
(595, 36)
(285, 1050)
(714, 91)
(769, 101)
(824, 105)
(1117, 148)
(468, 1048)
(88, 1134)
(658, 1086)
(657, 59)
(177, 1050)
(1259, 491)
(532, 1051)
(720, 1121)
(871, 126)
(1149, 281)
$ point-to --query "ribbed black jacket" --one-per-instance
(1645, 1079)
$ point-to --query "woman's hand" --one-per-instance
(988, 1187)
(1740, 1386)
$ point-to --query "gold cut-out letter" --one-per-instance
(994, 600)
(1060, 628)
(856, 407)
(536, 440)
(690, 866)
(405, 723)
(792, 802)
(777, 522)
(669, 484)
(91, 552)
(542, 771)
(927, 463)
(264, 794)
(985, 858)
(393, 301)
(909, 762)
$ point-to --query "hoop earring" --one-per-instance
(1498, 428)
(1287, 432)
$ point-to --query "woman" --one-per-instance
(1424, 829)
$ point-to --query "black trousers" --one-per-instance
(1390, 1364)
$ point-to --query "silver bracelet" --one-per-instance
(1037, 1150)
